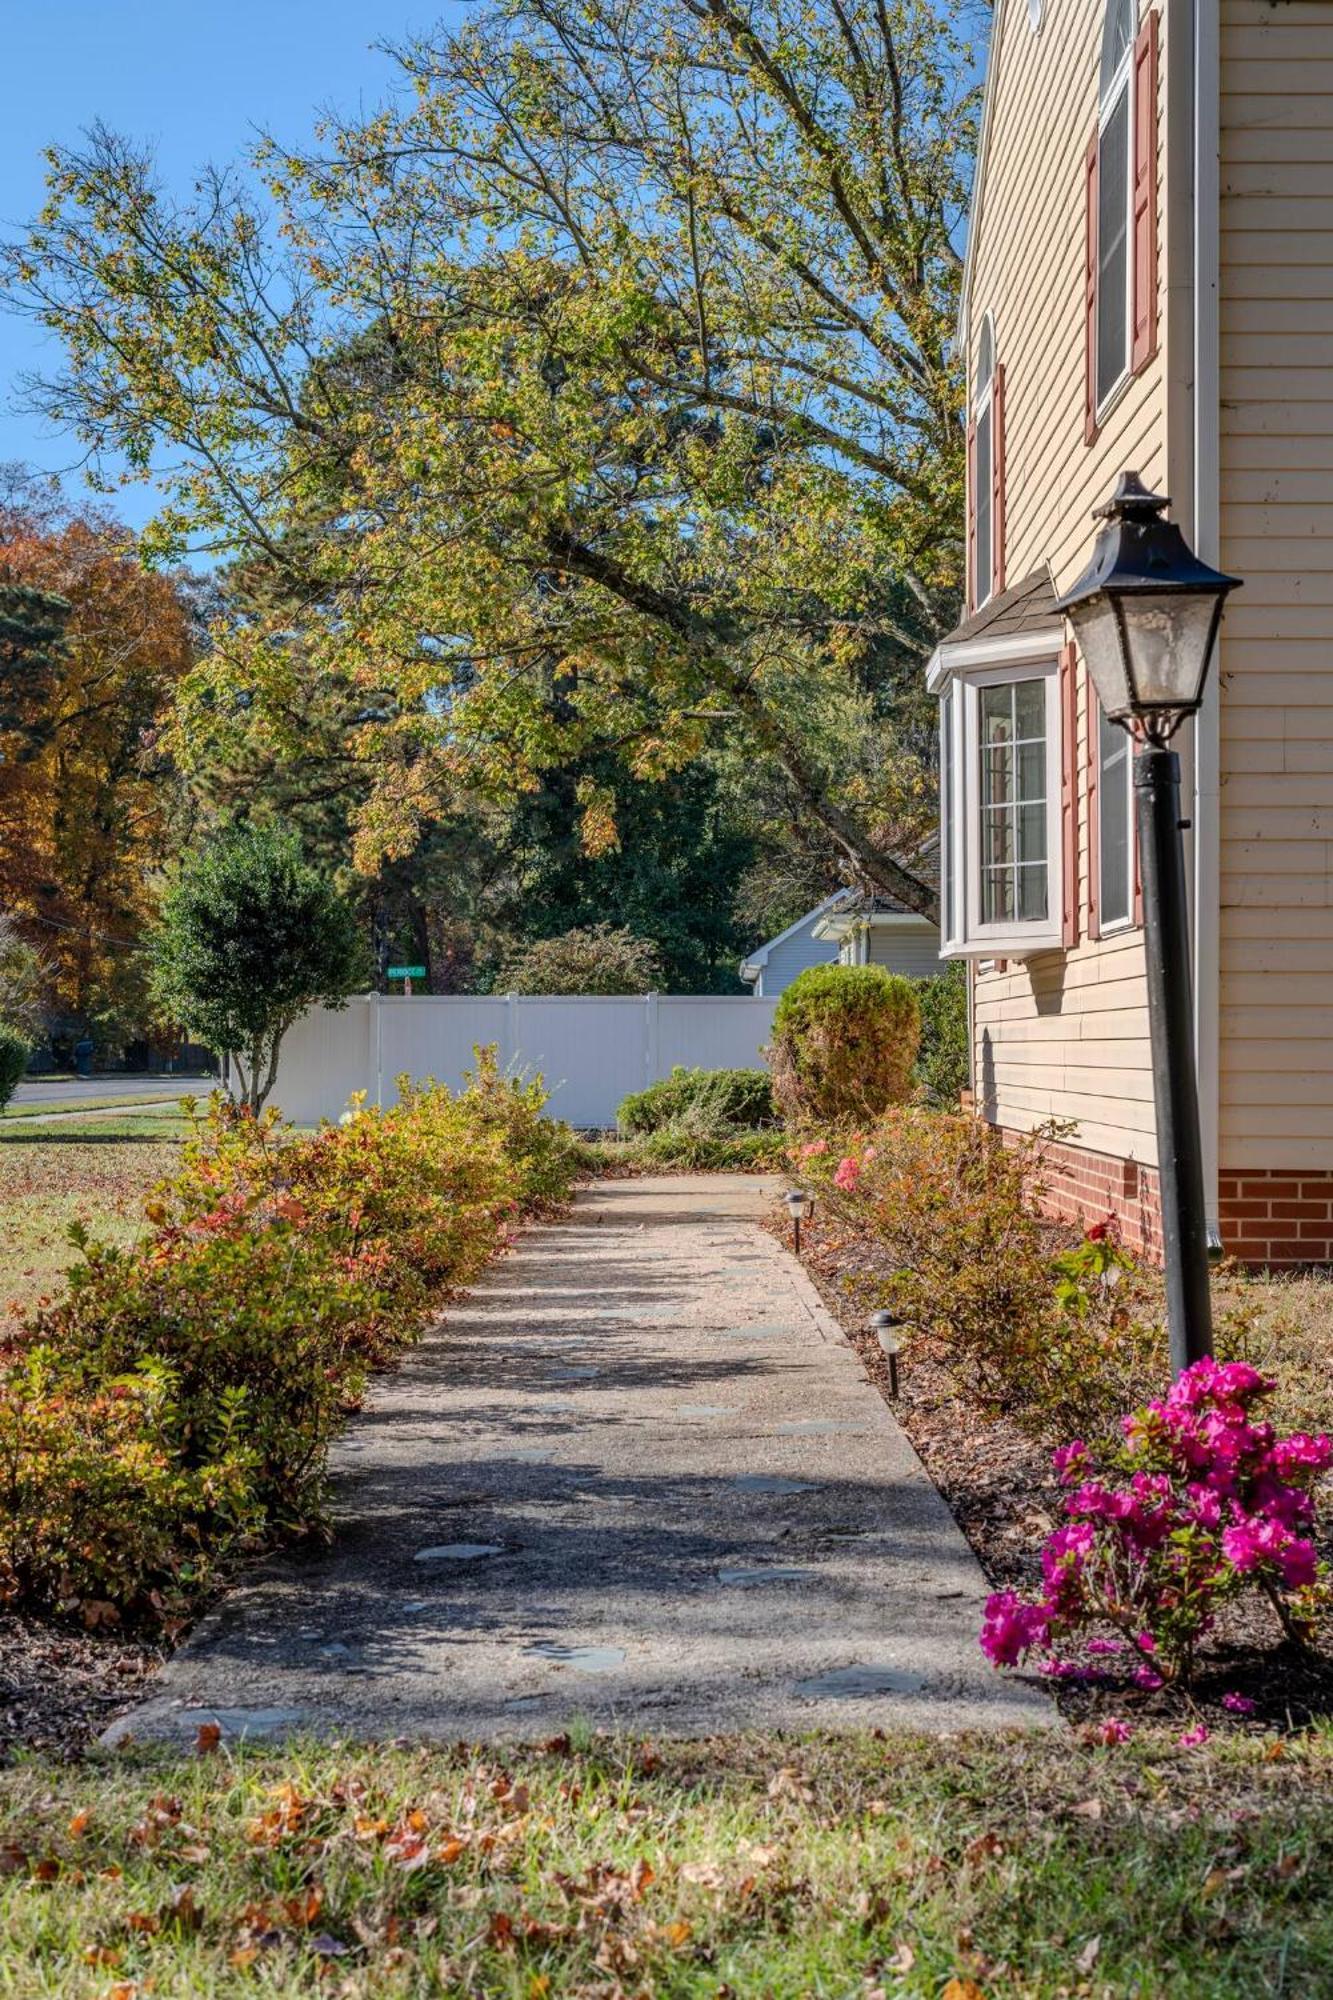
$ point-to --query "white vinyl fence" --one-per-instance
(591, 1051)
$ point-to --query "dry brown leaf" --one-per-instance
(1089, 1955)
(962, 1989)
(207, 1738)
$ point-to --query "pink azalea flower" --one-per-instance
(1106, 1645)
(1113, 1731)
(1147, 1679)
(848, 1174)
(1011, 1628)
(1190, 1739)
(1238, 1704)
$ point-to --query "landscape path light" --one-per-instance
(799, 1205)
(1145, 614)
(887, 1329)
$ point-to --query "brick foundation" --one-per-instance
(1084, 1187)
(1271, 1217)
(1275, 1216)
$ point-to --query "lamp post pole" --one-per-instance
(1175, 1082)
(1145, 613)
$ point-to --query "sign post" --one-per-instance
(407, 973)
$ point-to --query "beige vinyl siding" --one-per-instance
(1277, 533)
(1063, 1035)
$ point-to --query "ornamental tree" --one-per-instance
(250, 936)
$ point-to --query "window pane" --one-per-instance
(983, 504)
(1113, 247)
(1032, 893)
(1032, 832)
(997, 896)
(1113, 823)
(1030, 710)
(1013, 802)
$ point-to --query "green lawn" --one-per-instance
(841, 1868)
(96, 1170)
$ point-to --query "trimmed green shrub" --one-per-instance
(598, 959)
(13, 1062)
(733, 1099)
(845, 1038)
(942, 1066)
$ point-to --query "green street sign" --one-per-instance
(407, 972)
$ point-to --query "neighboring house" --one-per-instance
(876, 930)
(1149, 285)
(771, 969)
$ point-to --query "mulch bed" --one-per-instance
(1004, 1496)
(60, 1687)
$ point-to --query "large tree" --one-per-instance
(618, 349)
(86, 792)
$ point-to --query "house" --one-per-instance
(771, 969)
(876, 930)
(1149, 285)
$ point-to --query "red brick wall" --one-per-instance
(1084, 1187)
(1270, 1216)
(1277, 1215)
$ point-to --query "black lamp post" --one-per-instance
(799, 1205)
(1145, 613)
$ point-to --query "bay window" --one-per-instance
(1000, 749)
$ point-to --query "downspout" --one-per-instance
(1207, 540)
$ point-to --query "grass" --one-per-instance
(95, 1170)
(73, 1107)
(1284, 1324)
(957, 1869)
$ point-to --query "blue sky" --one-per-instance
(196, 78)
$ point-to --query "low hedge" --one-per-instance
(733, 1099)
(176, 1403)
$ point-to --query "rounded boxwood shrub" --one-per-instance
(845, 1040)
(13, 1061)
(736, 1099)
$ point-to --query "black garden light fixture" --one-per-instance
(887, 1329)
(799, 1205)
(1145, 613)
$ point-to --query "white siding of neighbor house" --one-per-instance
(1277, 533)
(794, 955)
(1063, 1035)
(912, 949)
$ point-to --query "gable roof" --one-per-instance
(752, 966)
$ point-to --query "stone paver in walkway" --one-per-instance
(636, 1477)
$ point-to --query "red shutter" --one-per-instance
(971, 517)
(1144, 269)
(997, 480)
(1094, 810)
(1090, 293)
(1069, 796)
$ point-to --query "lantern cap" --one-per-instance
(1138, 551)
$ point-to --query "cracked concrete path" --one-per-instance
(638, 1477)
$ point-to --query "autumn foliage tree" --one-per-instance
(92, 652)
(599, 393)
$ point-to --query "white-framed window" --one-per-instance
(1000, 754)
(1115, 200)
(1115, 826)
(983, 464)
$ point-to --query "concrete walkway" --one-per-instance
(636, 1477)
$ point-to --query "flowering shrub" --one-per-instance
(1201, 1502)
(178, 1399)
(1054, 1339)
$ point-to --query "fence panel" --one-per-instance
(592, 1050)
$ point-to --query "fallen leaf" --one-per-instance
(79, 1825)
(207, 1738)
(1089, 1955)
(901, 1959)
(962, 1989)
(1088, 1809)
